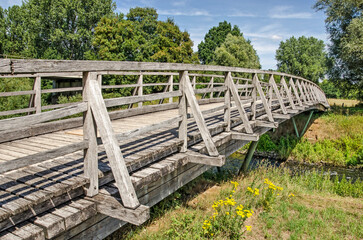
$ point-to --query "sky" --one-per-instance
(265, 22)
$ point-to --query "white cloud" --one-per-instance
(241, 14)
(178, 3)
(193, 12)
(276, 37)
(284, 12)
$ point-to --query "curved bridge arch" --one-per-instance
(219, 109)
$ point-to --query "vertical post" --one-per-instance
(254, 97)
(99, 80)
(270, 92)
(247, 160)
(194, 82)
(140, 89)
(171, 86)
(227, 103)
(38, 95)
(211, 86)
(90, 135)
(183, 112)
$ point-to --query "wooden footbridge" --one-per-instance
(65, 176)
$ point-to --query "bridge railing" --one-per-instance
(184, 86)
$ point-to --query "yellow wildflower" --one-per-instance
(227, 213)
(256, 192)
(250, 189)
(248, 228)
(291, 195)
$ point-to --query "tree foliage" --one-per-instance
(142, 37)
(303, 57)
(345, 27)
(213, 39)
(59, 29)
(236, 51)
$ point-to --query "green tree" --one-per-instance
(303, 57)
(213, 39)
(236, 51)
(141, 37)
(60, 29)
(345, 27)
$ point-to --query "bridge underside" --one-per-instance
(47, 199)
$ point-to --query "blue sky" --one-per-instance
(265, 22)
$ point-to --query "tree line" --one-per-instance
(92, 30)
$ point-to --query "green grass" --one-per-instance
(321, 208)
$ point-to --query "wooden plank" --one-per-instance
(51, 224)
(109, 140)
(29, 231)
(59, 90)
(260, 123)
(244, 136)
(111, 206)
(197, 114)
(38, 95)
(211, 90)
(72, 216)
(227, 104)
(195, 157)
(11, 112)
(183, 112)
(39, 157)
(134, 99)
(8, 94)
(281, 116)
(90, 136)
(14, 123)
(143, 130)
(238, 103)
(5, 66)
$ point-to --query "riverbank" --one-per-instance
(333, 138)
(309, 205)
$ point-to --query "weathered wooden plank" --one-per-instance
(51, 224)
(111, 206)
(8, 94)
(244, 136)
(134, 99)
(5, 66)
(29, 231)
(90, 136)
(195, 157)
(59, 90)
(109, 140)
(14, 123)
(260, 123)
(39, 157)
(207, 90)
(11, 112)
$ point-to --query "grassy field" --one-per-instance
(308, 206)
(335, 137)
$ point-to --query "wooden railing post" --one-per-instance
(257, 84)
(171, 87)
(211, 86)
(287, 90)
(254, 97)
(140, 88)
(292, 84)
(276, 90)
(38, 95)
(227, 103)
(183, 112)
(194, 82)
(90, 135)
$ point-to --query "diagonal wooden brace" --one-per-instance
(197, 114)
(234, 92)
(114, 155)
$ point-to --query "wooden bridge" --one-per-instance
(77, 177)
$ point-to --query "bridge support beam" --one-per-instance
(247, 160)
(305, 127)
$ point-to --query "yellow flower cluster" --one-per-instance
(235, 185)
(248, 228)
(206, 224)
(291, 195)
(243, 213)
(272, 186)
(255, 191)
